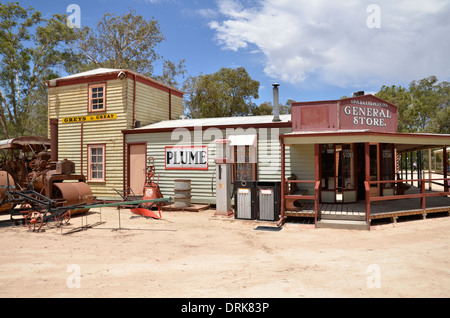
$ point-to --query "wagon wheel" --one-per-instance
(34, 220)
(63, 219)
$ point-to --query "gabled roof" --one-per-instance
(97, 71)
(104, 74)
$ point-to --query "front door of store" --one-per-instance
(136, 167)
(338, 169)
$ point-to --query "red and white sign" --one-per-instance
(368, 113)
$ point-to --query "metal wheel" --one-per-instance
(63, 219)
(34, 220)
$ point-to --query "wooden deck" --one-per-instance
(378, 210)
(328, 209)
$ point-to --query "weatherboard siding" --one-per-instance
(150, 105)
(302, 165)
(74, 138)
(203, 182)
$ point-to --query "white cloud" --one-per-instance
(331, 41)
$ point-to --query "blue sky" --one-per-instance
(316, 50)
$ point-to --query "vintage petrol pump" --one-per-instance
(223, 177)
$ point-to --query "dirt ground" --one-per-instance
(193, 255)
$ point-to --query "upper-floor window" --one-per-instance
(97, 97)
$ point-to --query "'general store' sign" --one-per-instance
(186, 158)
(368, 114)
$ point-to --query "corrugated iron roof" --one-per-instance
(216, 121)
(91, 72)
(108, 71)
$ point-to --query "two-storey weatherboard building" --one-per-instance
(92, 108)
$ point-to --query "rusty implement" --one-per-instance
(146, 213)
(151, 193)
(5, 179)
(75, 193)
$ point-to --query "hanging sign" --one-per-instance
(186, 158)
(80, 119)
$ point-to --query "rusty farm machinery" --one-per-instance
(32, 186)
(36, 188)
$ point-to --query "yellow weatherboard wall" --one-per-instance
(78, 128)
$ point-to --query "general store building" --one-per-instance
(359, 168)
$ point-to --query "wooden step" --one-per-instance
(342, 224)
(343, 216)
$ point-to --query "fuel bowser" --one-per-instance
(223, 160)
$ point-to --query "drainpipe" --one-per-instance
(134, 102)
(170, 104)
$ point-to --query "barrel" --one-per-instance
(182, 190)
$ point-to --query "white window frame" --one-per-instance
(92, 99)
(92, 162)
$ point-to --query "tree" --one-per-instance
(31, 48)
(426, 100)
(226, 93)
(125, 41)
(423, 107)
(266, 108)
(401, 97)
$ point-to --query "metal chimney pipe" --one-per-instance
(276, 104)
(54, 139)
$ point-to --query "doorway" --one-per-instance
(343, 171)
(137, 154)
(338, 173)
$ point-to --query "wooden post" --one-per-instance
(429, 169)
(445, 165)
(367, 182)
(317, 178)
(422, 192)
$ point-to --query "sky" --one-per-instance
(315, 50)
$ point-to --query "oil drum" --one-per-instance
(182, 191)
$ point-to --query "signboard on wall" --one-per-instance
(368, 112)
(80, 119)
(186, 158)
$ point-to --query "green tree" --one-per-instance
(425, 95)
(31, 48)
(401, 97)
(125, 41)
(441, 122)
(423, 107)
(266, 108)
(226, 93)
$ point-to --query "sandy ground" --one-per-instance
(193, 255)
